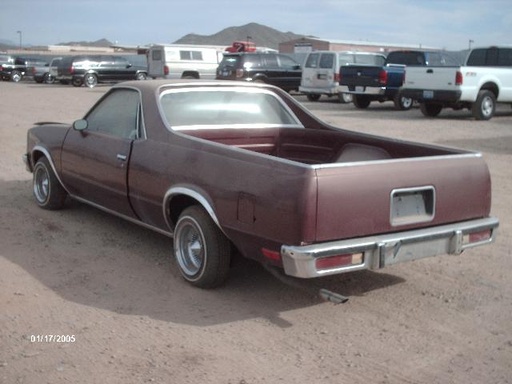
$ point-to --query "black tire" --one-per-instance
(202, 252)
(313, 96)
(77, 82)
(484, 106)
(361, 102)
(402, 103)
(90, 80)
(16, 76)
(345, 98)
(48, 79)
(48, 191)
(430, 109)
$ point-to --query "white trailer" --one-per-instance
(179, 61)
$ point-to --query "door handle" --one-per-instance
(121, 157)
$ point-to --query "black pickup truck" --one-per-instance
(15, 68)
(369, 83)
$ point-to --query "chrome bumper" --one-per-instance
(388, 249)
(364, 91)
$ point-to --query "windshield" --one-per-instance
(225, 108)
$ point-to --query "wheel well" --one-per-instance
(177, 205)
(491, 87)
(190, 74)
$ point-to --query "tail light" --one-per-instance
(166, 70)
(458, 78)
(239, 73)
(337, 77)
(383, 77)
(72, 70)
(338, 261)
(477, 237)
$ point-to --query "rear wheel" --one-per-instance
(77, 82)
(48, 192)
(484, 106)
(361, 102)
(201, 250)
(345, 98)
(313, 96)
(430, 109)
(90, 80)
(48, 79)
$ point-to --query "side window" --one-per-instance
(271, 60)
(116, 115)
(327, 60)
(191, 55)
(156, 55)
(505, 57)
(477, 58)
(287, 62)
(312, 61)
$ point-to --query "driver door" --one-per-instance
(95, 160)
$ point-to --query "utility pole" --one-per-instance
(21, 34)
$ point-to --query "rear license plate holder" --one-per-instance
(428, 94)
(412, 205)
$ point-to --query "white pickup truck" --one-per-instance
(485, 80)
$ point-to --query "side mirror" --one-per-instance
(80, 125)
(128, 65)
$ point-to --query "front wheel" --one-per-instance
(201, 250)
(402, 103)
(48, 79)
(16, 76)
(484, 106)
(48, 191)
(430, 109)
(313, 96)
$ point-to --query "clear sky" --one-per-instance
(449, 24)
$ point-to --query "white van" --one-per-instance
(178, 61)
(321, 71)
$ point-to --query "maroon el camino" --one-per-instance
(227, 167)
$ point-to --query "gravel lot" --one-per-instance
(111, 289)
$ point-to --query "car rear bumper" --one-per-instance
(424, 95)
(375, 252)
(334, 90)
(362, 90)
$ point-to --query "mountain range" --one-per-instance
(261, 35)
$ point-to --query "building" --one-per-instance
(308, 44)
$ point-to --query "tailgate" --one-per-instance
(430, 78)
(360, 75)
(361, 199)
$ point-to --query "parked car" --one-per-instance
(13, 68)
(270, 68)
(484, 80)
(44, 72)
(382, 83)
(235, 168)
(93, 69)
(321, 72)
(178, 61)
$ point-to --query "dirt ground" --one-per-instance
(110, 292)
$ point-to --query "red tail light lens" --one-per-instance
(166, 70)
(458, 78)
(383, 77)
(337, 77)
(338, 261)
(239, 73)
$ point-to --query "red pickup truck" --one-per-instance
(234, 168)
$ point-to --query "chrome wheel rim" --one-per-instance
(41, 185)
(189, 248)
(406, 102)
(487, 106)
